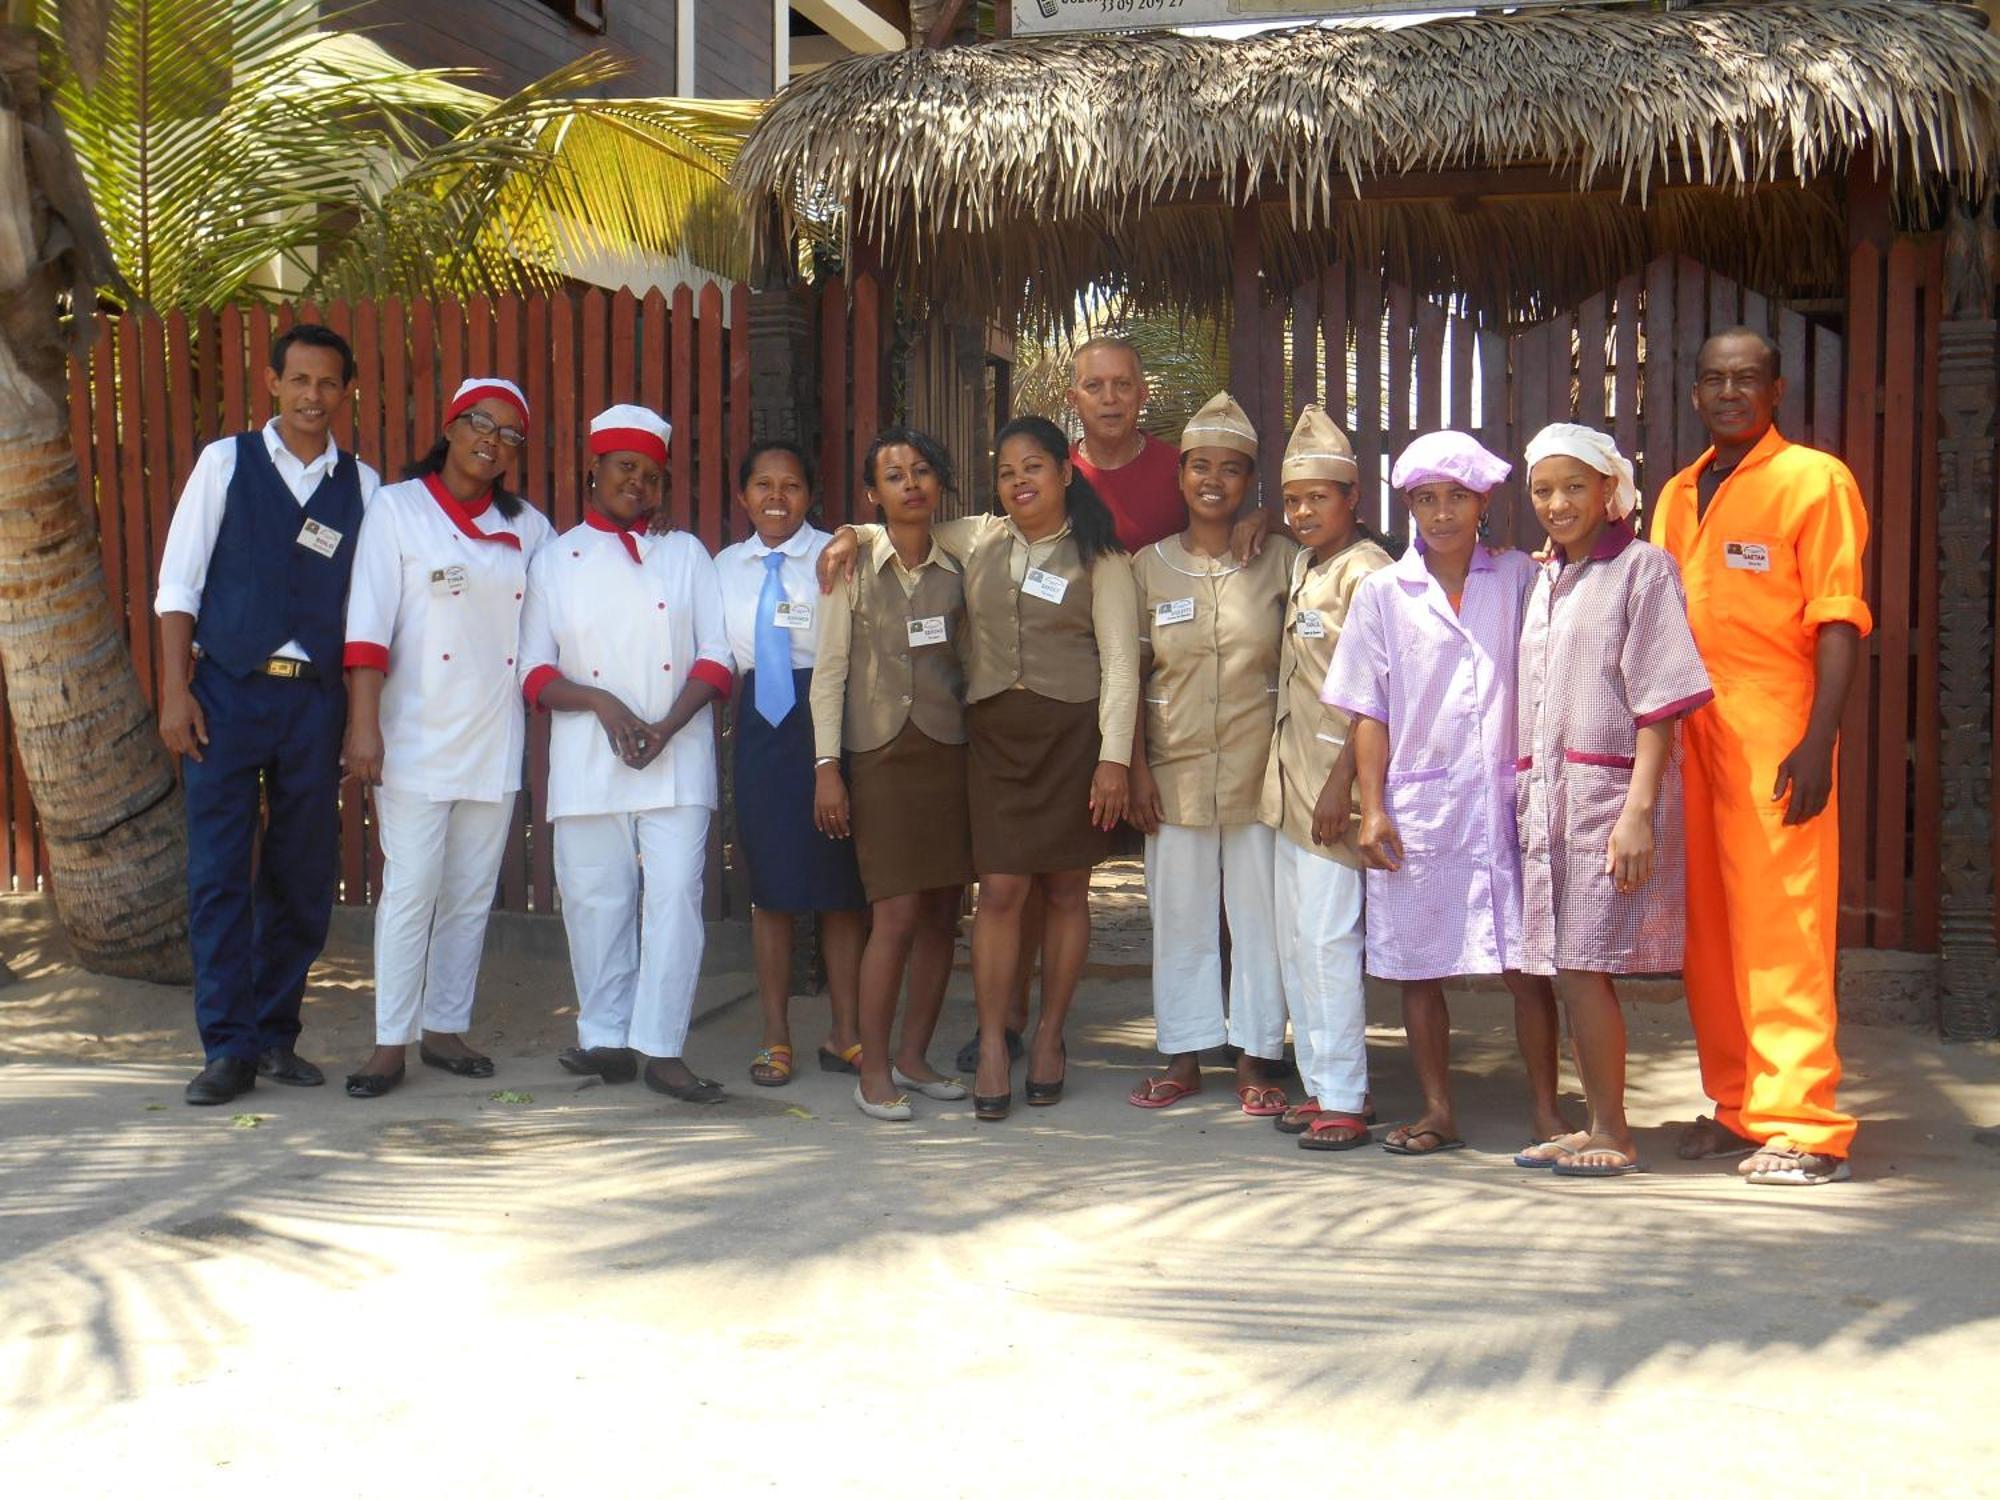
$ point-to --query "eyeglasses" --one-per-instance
(485, 426)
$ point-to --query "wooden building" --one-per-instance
(1494, 221)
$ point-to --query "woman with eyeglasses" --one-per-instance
(435, 720)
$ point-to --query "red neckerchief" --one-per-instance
(460, 514)
(596, 520)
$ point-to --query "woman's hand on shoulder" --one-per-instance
(836, 559)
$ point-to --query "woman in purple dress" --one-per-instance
(1607, 668)
(1425, 669)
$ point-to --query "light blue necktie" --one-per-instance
(775, 691)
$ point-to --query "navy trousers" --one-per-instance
(254, 937)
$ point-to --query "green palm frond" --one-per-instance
(1186, 361)
(224, 139)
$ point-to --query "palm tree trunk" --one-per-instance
(102, 782)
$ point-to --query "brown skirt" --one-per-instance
(908, 807)
(1031, 763)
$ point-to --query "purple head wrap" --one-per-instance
(1450, 456)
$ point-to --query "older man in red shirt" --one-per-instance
(1136, 473)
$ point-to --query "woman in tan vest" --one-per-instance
(1052, 689)
(1209, 634)
(889, 687)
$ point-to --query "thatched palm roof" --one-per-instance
(1010, 176)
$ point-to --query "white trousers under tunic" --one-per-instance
(1320, 944)
(440, 863)
(1192, 876)
(634, 987)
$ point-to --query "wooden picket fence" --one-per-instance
(153, 390)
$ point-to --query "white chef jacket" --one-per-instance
(197, 517)
(439, 610)
(639, 630)
(741, 569)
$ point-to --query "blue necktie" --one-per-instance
(775, 691)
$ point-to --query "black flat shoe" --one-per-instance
(992, 1106)
(967, 1060)
(471, 1066)
(283, 1065)
(612, 1064)
(701, 1091)
(222, 1080)
(372, 1085)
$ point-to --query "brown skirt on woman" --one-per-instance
(1031, 763)
(907, 804)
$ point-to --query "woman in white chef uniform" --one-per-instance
(434, 720)
(624, 643)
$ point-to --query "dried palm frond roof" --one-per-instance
(1007, 177)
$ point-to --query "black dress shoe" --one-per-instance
(372, 1085)
(470, 1066)
(222, 1080)
(701, 1091)
(283, 1065)
(612, 1064)
(967, 1060)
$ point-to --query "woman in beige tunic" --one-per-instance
(888, 687)
(1209, 631)
(1051, 689)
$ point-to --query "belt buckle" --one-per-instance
(282, 666)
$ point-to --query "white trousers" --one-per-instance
(1318, 903)
(635, 977)
(1192, 876)
(440, 864)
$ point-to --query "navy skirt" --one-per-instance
(793, 866)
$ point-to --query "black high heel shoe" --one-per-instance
(993, 1106)
(1051, 1092)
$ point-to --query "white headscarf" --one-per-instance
(1589, 446)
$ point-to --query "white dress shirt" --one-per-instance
(440, 612)
(638, 630)
(741, 571)
(198, 517)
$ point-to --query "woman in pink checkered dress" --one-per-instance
(1607, 668)
(1425, 669)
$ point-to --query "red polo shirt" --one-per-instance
(1144, 496)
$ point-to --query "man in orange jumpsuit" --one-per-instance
(1769, 535)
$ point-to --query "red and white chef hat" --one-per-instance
(479, 388)
(630, 429)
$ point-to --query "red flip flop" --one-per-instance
(1262, 1100)
(1158, 1093)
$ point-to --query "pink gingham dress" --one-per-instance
(1605, 650)
(1444, 685)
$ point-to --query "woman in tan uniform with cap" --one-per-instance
(1209, 631)
(1051, 684)
(1309, 795)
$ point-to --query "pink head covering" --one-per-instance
(1450, 456)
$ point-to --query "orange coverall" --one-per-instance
(1777, 556)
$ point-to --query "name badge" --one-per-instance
(1173, 612)
(321, 539)
(1750, 557)
(1312, 625)
(927, 632)
(790, 616)
(1049, 586)
(451, 580)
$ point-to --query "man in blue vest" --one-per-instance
(252, 606)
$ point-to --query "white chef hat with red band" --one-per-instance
(479, 388)
(631, 429)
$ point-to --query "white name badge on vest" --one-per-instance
(321, 539)
(790, 616)
(1173, 612)
(451, 580)
(1750, 557)
(1049, 586)
(928, 631)
(1312, 625)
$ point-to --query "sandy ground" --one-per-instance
(578, 1289)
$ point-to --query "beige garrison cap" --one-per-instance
(1318, 450)
(1221, 423)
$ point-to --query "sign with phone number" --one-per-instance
(1043, 17)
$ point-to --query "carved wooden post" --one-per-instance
(1968, 382)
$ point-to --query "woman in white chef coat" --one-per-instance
(624, 643)
(434, 720)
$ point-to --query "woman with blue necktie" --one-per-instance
(770, 596)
